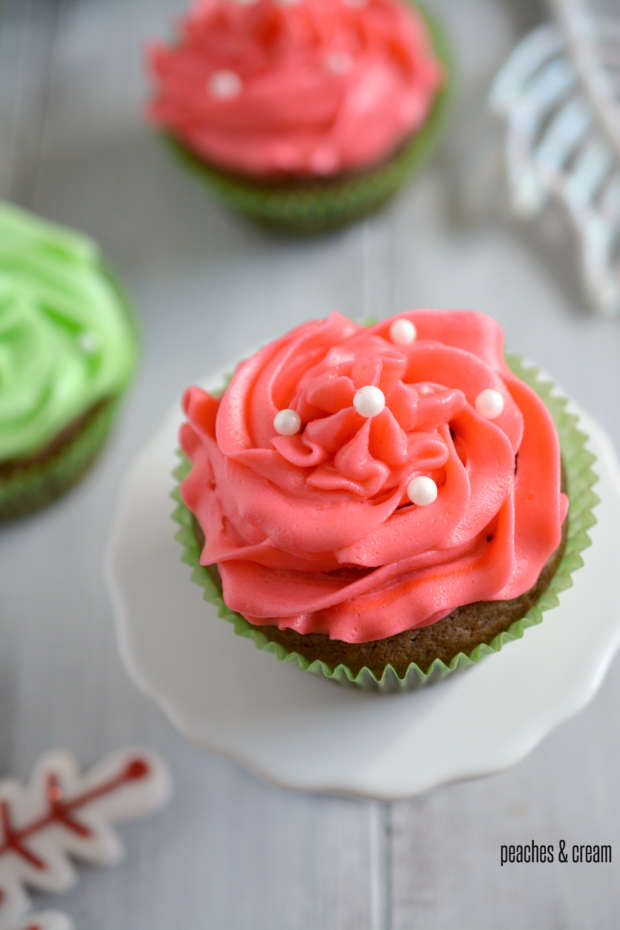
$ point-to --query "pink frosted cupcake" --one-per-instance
(304, 112)
(389, 500)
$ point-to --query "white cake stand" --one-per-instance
(306, 733)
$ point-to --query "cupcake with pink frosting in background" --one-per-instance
(383, 505)
(305, 113)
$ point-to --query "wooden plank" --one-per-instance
(444, 847)
(231, 852)
(26, 37)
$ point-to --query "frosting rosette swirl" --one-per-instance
(305, 88)
(65, 341)
(315, 521)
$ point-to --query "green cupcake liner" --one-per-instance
(580, 479)
(327, 204)
(33, 486)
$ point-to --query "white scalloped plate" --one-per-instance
(306, 733)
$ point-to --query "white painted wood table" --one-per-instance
(232, 852)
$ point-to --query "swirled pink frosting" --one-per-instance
(302, 88)
(315, 532)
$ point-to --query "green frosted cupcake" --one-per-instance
(303, 115)
(67, 351)
(384, 506)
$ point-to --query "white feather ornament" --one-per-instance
(559, 93)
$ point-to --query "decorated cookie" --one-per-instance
(68, 350)
(63, 815)
(380, 497)
(303, 111)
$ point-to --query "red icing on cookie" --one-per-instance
(312, 87)
(316, 531)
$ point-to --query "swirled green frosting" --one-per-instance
(66, 342)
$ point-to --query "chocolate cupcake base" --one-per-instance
(460, 631)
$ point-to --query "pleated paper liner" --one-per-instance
(29, 488)
(580, 479)
(326, 204)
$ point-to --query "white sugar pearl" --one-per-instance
(369, 401)
(403, 332)
(88, 342)
(286, 422)
(224, 84)
(422, 491)
(338, 62)
(489, 403)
